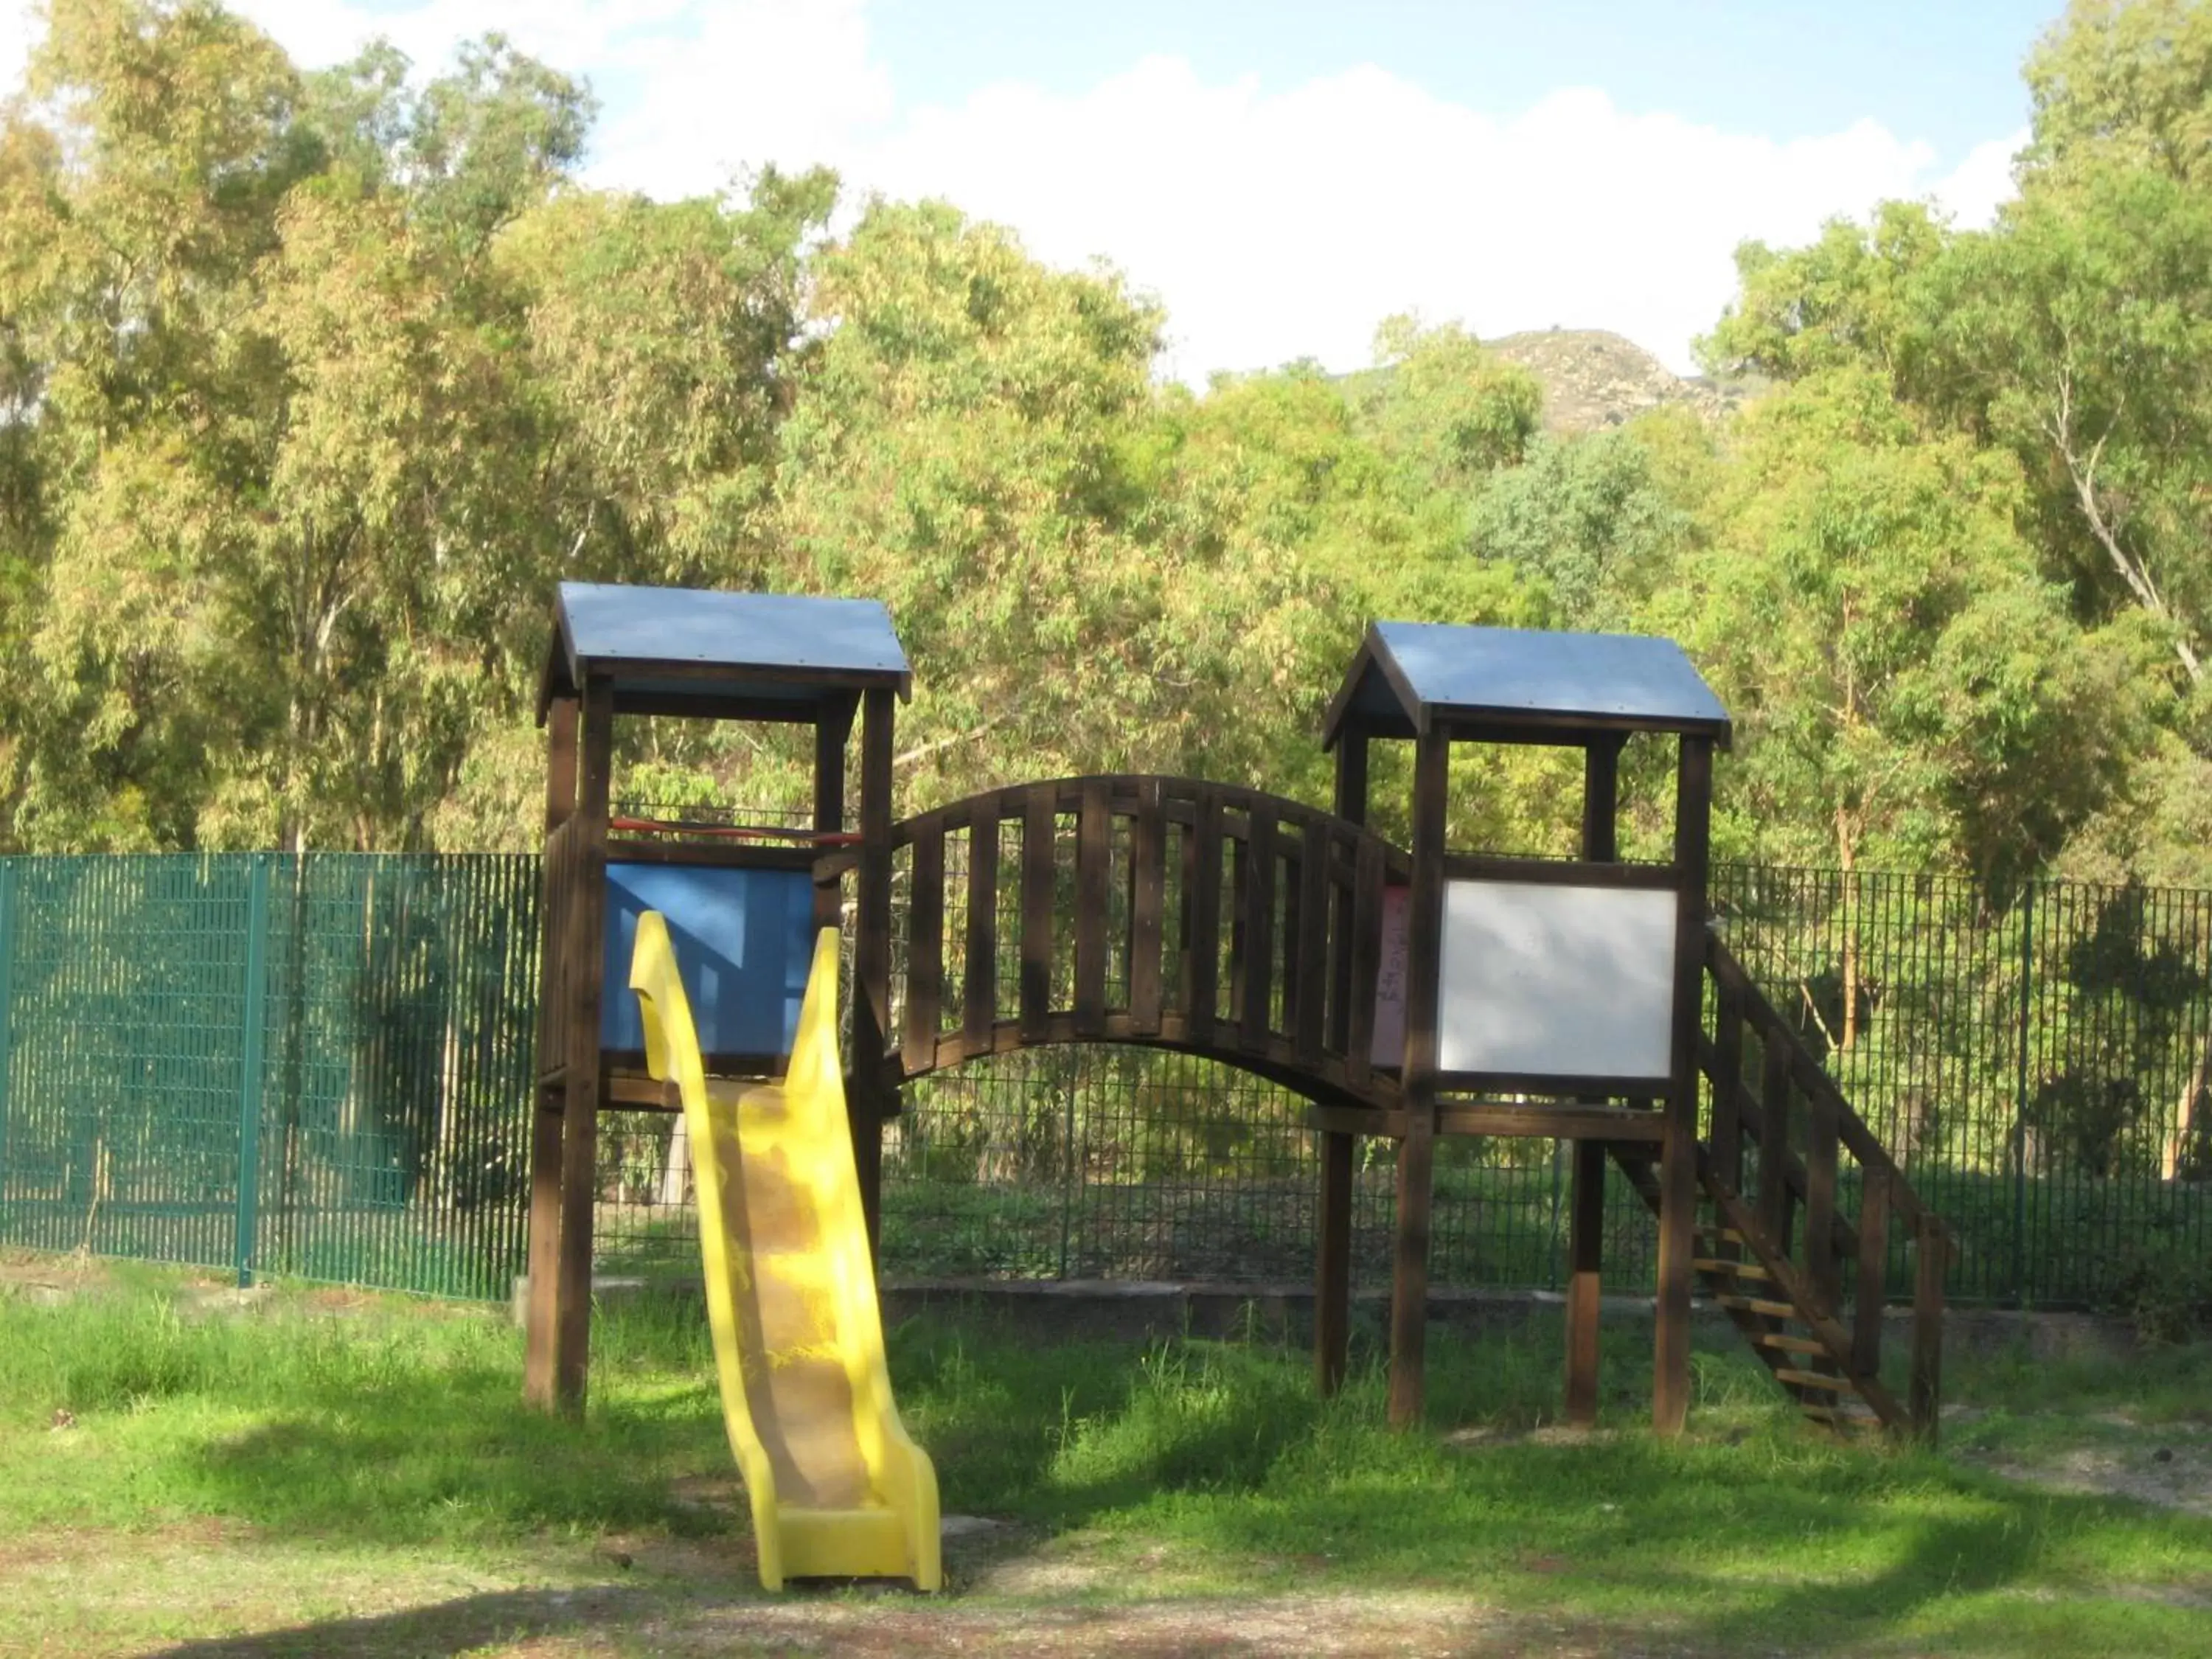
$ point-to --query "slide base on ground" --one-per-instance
(837, 1488)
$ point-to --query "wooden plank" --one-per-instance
(1205, 901)
(541, 1312)
(712, 855)
(1728, 1088)
(1351, 804)
(1409, 1285)
(1873, 1275)
(572, 1340)
(1306, 1014)
(1366, 957)
(1550, 1121)
(866, 1104)
(1039, 827)
(1185, 886)
(1094, 853)
(832, 732)
(1585, 1253)
(1552, 1082)
(1237, 850)
(1333, 1266)
(1256, 909)
(925, 954)
(979, 990)
(1932, 1256)
(1148, 887)
(1820, 1267)
(1678, 1174)
(1600, 798)
(1773, 1137)
(872, 917)
(1562, 873)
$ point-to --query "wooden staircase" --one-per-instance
(1797, 1203)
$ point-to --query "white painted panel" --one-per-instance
(1557, 980)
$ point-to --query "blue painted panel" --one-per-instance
(744, 939)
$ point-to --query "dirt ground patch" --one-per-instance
(2167, 1464)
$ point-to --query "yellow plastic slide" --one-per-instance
(838, 1490)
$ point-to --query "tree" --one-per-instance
(1442, 407)
(1588, 519)
(1908, 687)
(2127, 81)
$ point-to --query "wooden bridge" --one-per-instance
(1229, 923)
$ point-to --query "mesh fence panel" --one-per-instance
(355, 1032)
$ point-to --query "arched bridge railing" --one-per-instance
(1200, 916)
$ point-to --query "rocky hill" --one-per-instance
(1593, 379)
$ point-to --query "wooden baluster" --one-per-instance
(1040, 825)
(1094, 852)
(1256, 907)
(1366, 959)
(1307, 1020)
(1820, 1161)
(1205, 918)
(1148, 880)
(1774, 1199)
(1874, 1269)
(1728, 1087)
(979, 994)
(925, 952)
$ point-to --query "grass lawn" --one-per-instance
(327, 1473)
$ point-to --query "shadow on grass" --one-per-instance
(1221, 1453)
(463, 1626)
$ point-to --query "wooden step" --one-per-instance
(1724, 1235)
(1709, 1264)
(1832, 1383)
(1757, 1304)
(1788, 1344)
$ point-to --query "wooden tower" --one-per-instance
(743, 901)
(1559, 998)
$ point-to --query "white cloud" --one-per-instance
(1274, 224)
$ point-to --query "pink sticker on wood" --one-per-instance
(1389, 1045)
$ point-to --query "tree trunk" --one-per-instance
(1847, 858)
(2185, 1115)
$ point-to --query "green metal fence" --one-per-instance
(313, 1067)
(320, 1067)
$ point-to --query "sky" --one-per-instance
(1283, 175)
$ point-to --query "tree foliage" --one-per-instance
(312, 385)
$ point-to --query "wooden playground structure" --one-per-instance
(1405, 993)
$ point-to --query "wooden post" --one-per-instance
(871, 962)
(1586, 1201)
(586, 945)
(832, 728)
(540, 1310)
(1333, 1263)
(1678, 1171)
(1933, 1259)
(1409, 1288)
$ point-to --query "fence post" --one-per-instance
(2019, 1097)
(254, 1016)
(6, 1032)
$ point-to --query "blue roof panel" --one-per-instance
(1512, 671)
(757, 636)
